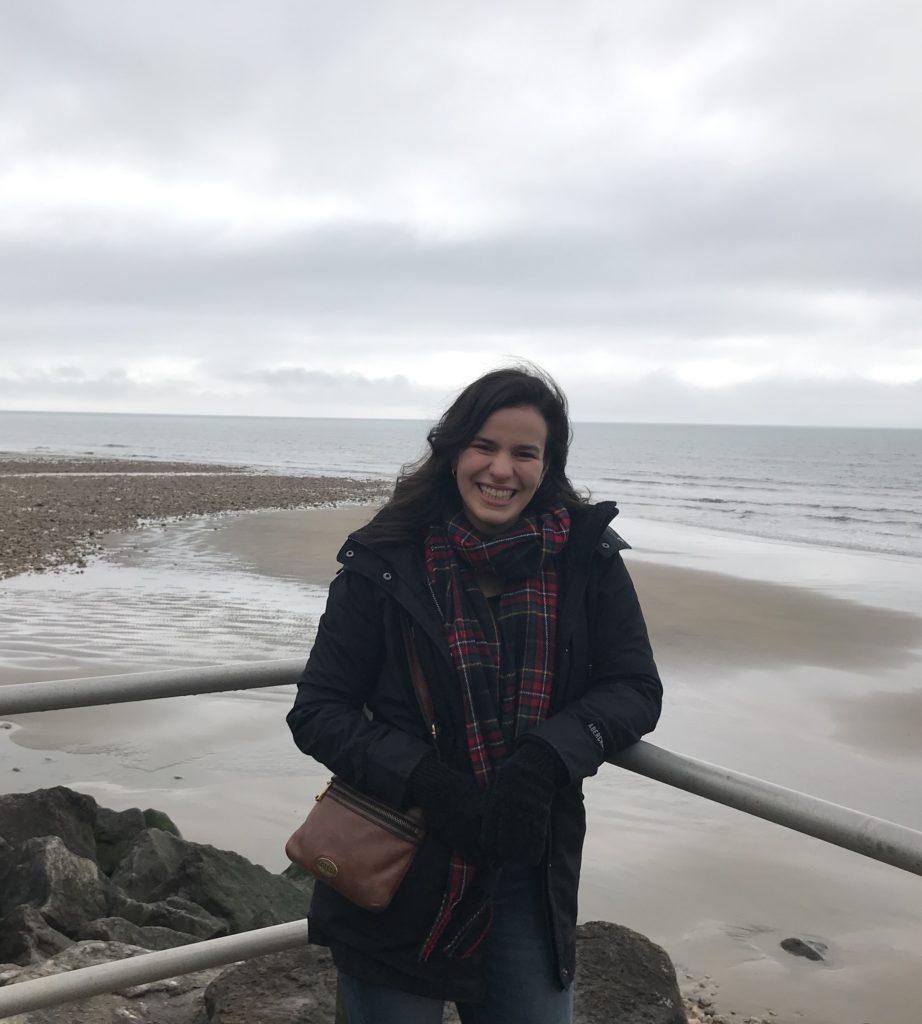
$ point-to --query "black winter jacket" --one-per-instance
(356, 712)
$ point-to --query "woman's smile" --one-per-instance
(496, 493)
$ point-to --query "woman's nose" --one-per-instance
(501, 465)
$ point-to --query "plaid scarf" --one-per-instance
(504, 663)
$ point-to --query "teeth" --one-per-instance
(496, 493)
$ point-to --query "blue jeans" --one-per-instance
(521, 975)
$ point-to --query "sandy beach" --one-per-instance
(804, 689)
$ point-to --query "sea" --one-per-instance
(833, 488)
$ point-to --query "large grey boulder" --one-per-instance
(622, 976)
(64, 887)
(159, 865)
(50, 812)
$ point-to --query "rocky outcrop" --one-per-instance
(69, 903)
(70, 870)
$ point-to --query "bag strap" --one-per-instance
(420, 686)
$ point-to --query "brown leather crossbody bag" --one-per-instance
(358, 845)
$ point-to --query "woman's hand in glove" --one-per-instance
(453, 803)
(517, 809)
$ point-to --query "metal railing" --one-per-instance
(853, 830)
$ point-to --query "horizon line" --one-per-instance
(423, 419)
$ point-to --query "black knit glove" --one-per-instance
(453, 804)
(517, 809)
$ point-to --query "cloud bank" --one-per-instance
(708, 214)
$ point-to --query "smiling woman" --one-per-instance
(529, 634)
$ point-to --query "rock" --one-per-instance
(50, 812)
(297, 986)
(623, 976)
(117, 929)
(159, 819)
(812, 949)
(115, 832)
(245, 895)
(149, 865)
(174, 912)
(63, 886)
(173, 1001)
(27, 938)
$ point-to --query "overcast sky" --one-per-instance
(702, 212)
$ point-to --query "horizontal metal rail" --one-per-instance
(57, 989)
(21, 698)
(853, 830)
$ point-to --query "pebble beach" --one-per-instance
(718, 890)
(53, 511)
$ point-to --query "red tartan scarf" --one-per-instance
(504, 663)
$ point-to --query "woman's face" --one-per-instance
(502, 467)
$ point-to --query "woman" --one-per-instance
(536, 654)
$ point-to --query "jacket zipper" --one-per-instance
(431, 726)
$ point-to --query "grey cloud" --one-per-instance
(383, 280)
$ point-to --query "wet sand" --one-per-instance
(775, 680)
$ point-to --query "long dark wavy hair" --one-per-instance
(426, 489)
